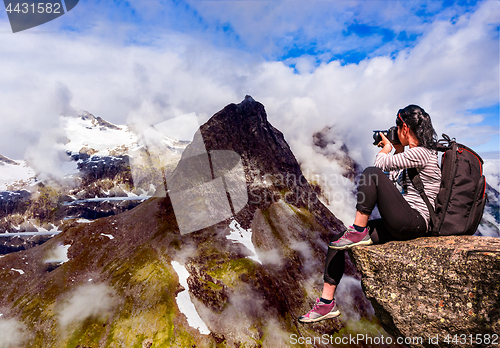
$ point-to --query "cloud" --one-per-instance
(87, 301)
(280, 29)
(58, 255)
(352, 300)
(13, 333)
(62, 101)
(149, 76)
(491, 170)
(47, 156)
(446, 73)
(271, 257)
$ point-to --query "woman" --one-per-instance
(404, 214)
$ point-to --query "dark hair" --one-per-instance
(420, 123)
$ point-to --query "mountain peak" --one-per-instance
(5, 160)
(97, 121)
(248, 99)
(240, 268)
(271, 169)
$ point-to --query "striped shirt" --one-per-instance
(426, 162)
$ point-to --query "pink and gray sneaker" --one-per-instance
(320, 311)
(351, 238)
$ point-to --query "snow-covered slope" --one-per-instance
(15, 175)
(94, 136)
(107, 169)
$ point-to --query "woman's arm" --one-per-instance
(387, 146)
(415, 157)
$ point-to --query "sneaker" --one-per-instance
(351, 238)
(320, 311)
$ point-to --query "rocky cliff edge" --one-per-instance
(437, 291)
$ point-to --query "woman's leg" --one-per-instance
(328, 291)
(379, 233)
(325, 307)
(399, 221)
(399, 218)
(361, 219)
(334, 267)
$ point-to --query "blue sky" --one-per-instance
(349, 31)
(312, 64)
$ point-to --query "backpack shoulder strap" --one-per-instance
(417, 183)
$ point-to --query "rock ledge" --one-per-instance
(434, 286)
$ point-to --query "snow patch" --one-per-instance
(184, 302)
(53, 230)
(84, 221)
(83, 134)
(18, 176)
(18, 270)
(108, 235)
(239, 235)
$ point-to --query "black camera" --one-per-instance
(391, 134)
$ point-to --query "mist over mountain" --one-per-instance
(116, 281)
(93, 169)
(115, 272)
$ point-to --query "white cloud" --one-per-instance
(492, 171)
(274, 27)
(452, 68)
(58, 254)
(86, 301)
(13, 333)
(348, 296)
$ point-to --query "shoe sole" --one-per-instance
(326, 316)
(348, 246)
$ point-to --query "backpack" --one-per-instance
(462, 195)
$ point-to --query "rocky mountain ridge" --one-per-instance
(248, 277)
(133, 279)
(104, 161)
(4, 160)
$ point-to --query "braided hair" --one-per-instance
(420, 124)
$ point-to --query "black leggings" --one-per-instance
(399, 221)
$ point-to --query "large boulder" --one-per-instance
(437, 290)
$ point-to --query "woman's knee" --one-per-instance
(371, 176)
(372, 171)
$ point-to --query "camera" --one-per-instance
(391, 134)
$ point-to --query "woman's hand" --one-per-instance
(385, 144)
